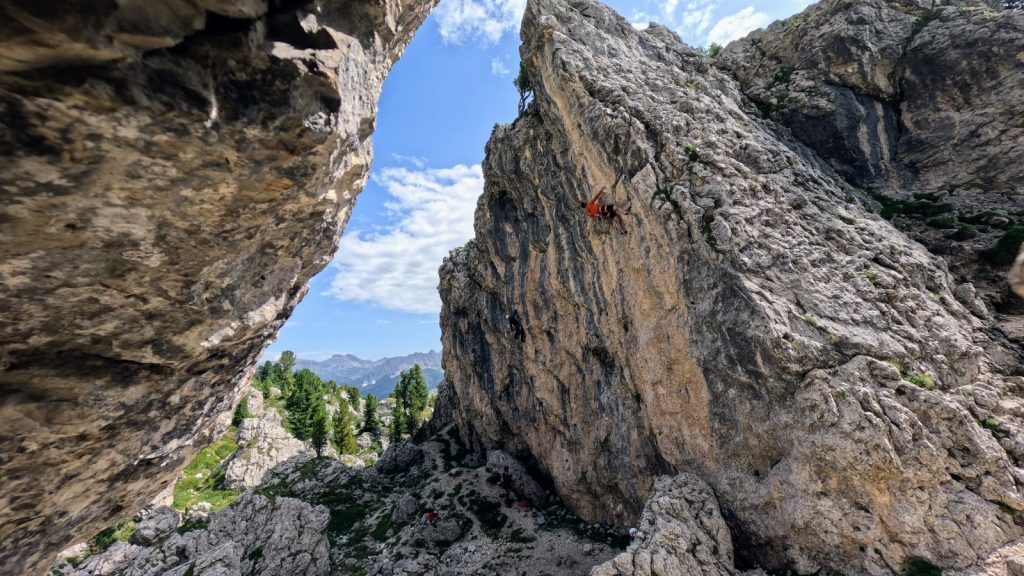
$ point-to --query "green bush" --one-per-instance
(917, 566)
(241, 412)
(964, 232)
(119, 532)
(691, 153)
(921, 380)
(923, 21)
(713, 50)
(942, 222)
(1006, 248)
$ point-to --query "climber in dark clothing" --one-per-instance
(608, 211)
(506, 483)
(517, 329)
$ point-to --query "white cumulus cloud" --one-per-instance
(697, 18)
(737, 25)
(484, 20)
(397, 268)
(499, 68)
(669, 7)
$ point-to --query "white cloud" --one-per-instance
(641, 20)
(736, 26)
(486, 20)
(417, 161)
(697, 18)
(397, 268)
(499, 68)
(669, 7)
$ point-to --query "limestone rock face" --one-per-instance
(760, 326)
(173, 173)
(156, 526)
(252, 536)
(920, 105)
(681, 533)
(263, 443)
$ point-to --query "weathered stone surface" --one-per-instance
(254, 402)
(681, 533)
(263, 443)
(919, 103)
(252, 536)
(399, 458)
(742, 331)
(159, 524)
(163, 211)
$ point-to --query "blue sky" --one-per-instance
(378, 296)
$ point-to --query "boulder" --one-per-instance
(406, 510)
(160, 523)
(681, 533)
(263, 444)
(398, 458)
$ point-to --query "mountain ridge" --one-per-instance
(376, 377)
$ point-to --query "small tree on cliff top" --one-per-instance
(524, 86)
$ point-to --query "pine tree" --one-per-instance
(344, 438)
(287, 361)
(370, 419)
(307, 393)
(318, 428)
(417, 396)
(353, 396)
(241, 412)
(397, 427)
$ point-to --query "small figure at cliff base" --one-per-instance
(610, 212)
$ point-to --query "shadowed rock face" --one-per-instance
(173, 174)
(760, 326)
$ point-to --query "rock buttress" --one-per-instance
(922, 106)
(173, 174)
(760, 325)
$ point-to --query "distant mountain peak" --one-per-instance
(374, 376)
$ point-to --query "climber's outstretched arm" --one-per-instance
(598, 195)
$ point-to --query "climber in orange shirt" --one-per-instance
(610, 211)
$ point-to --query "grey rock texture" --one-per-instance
(263, 444)
(760, 326)
(173, 174)
(399, 458)
(156, 526)
(254, 402)
(920, 105)
(252, 536)
(365, 521)
(681, 533)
